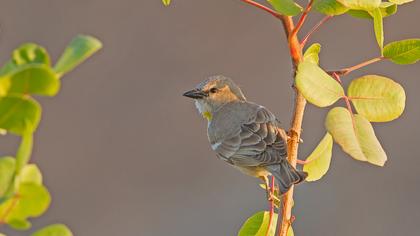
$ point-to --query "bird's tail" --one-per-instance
(286, 175)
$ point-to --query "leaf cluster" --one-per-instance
(27, 74)
(370, 98)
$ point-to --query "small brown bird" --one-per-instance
(244, 134)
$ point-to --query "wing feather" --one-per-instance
(258, 143)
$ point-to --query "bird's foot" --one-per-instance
(271, 196)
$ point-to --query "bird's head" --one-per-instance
(213, 93)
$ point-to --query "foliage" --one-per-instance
(27, 74)
(370, 98)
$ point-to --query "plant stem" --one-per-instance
(302, 18)
(295, 48)
(262, 7)
(295, 131)
(314, 29)
(270, 220)
(346, 71)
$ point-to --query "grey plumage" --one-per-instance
(244, 134)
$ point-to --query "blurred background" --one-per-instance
(123, 153)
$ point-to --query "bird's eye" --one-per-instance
(213, 90)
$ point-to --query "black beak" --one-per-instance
(195, 93)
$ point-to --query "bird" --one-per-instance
(244, 134)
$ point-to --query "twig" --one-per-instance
(264, 8)
(305, 162)
(302, 18)
(314, 29)
(270, 220)
(350, 109)
(336, 77)
(346, 71)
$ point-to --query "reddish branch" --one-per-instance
(270, 220)
(262, 7)
(296, 129)
(346, 71)
(302, 18)
(295, 48)
(314, 29)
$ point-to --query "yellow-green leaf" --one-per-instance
(290, 231)
(7, 171)
(330, 7)
(257, 225)
(312, 53)
(361, 4)
(286, 7)
(387, 9)
(31, 200)
(399, 2)
(319, 160)
(54, 230)
(355, 136)
(316, 85)
(166, 2)
(79, 49)
(30, 53)
(30, 174)
(19, 224)
(403, 52)
(20, 114)
(33, 79)
(377, 98)
(378, 27)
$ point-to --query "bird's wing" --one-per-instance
(258, 142)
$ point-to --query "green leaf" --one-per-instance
(320, 159)
(30, 174)
(54, 230)
(290, 231)
(19, 224)
(361, 4)
(387, 9)
(20, 114)
(257, 225)
(79, 49)
(166, 2)
(317, 86)
(403, 52)
(7, 172)
(399, 2)
(286, 7)
(379, 28)
(32, 200)
(8, 67)
(355, 136)
(312, 53)
(330, 7)
(33, 79)
(5, 84)
(30, 53)
(377, 98)
(24, 152)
